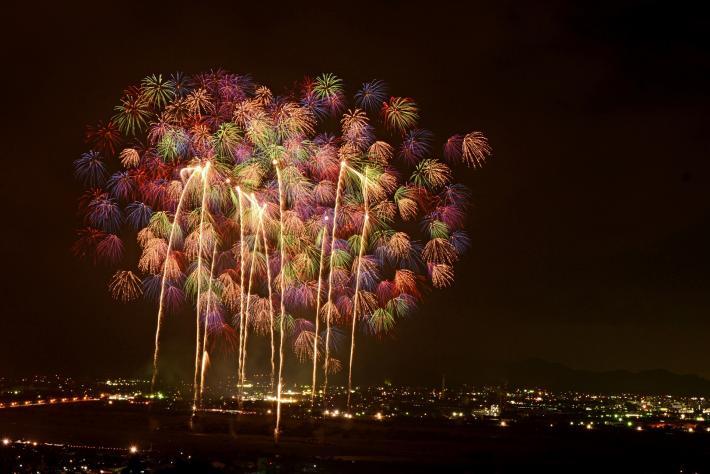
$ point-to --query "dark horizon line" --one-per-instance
(455, 377)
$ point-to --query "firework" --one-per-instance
(357, 303)
(475, 149)
(164, 278)
(371, 95)
(319, 293)
(205, 354)
(198, 326)
(242, 244)
(331, 283)
(125, 286)
(400, 113)
(303, 226)
(271, 308)
(249, 291)
(282, 291)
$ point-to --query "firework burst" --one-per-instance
(246, 206)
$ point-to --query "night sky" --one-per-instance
(591, 225)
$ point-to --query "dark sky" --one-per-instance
(591, 226)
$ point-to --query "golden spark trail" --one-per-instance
(271, 305)
(203, 368)
(251, 278)
(198, 349)
(338, 191)
(324, 239)
(356, 302)
(279, 383)
(241, 290)
(161, 301)
(204, 340)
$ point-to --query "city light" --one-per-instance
(389, 405)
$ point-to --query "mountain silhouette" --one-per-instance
(557, 377)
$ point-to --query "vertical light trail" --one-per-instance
(271, 305)
(251, 277)
(328, 316)
(356, 302)
(203, 368)
(279, 382)
(324, 239)
(198, 348)
(241, 289)
(161, 300)
(204, 339)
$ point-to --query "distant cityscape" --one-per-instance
(464, 407)
(387, 402)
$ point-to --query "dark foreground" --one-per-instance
(97, 436)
